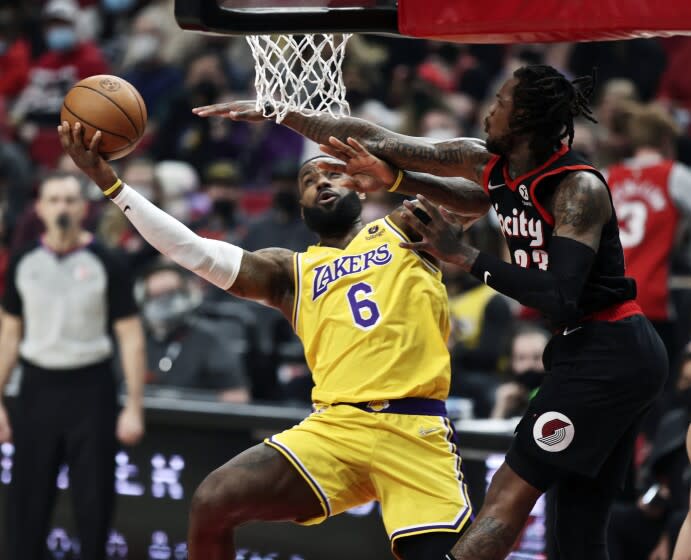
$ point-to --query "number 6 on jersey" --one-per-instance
(365, 311)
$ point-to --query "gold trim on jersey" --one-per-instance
(401, 234)
(298, 288)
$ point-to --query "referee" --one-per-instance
(64, 294)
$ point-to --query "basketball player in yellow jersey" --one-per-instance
(374, 321)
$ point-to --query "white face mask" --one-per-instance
(144, 47)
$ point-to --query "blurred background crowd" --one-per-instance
(237, 181)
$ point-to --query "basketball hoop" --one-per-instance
(300, 73)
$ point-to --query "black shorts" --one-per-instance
(602, 377)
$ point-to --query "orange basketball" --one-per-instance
(111, 105)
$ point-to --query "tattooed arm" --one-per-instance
(461, 157)
(371, 174)
(581, 207)
(456, 194)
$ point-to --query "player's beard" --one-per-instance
(499, 146)
(335, 221)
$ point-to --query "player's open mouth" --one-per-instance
(326, 197)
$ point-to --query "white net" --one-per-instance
(299, 73)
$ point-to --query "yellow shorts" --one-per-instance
(408, 463)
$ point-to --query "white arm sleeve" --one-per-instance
(215, 261)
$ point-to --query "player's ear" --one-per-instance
(361, 196)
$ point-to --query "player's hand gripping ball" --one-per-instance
(111, 105)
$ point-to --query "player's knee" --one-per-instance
(215, 505)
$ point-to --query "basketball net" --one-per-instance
(299, 73)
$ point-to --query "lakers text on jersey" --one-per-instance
(373, 319)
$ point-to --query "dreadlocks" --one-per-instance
(546, 103)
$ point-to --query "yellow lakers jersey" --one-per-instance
(373, 319)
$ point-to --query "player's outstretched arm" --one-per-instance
(266, 275)
(371, 173)
(460, 157)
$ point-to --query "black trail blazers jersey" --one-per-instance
(527, 226)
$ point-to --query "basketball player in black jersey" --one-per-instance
(606, 364)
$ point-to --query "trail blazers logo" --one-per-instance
(553, 431)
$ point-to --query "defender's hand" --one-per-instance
(233, 110)
(87, 158)
(369, 173)
(130, 428)
(441, 233)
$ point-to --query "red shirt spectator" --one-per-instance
(66, 61)
(652, 197)
(648, 193)
(14, 68)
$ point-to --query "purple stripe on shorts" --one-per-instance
(410, 405)
(463, 516)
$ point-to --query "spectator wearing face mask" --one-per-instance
(526, 371)
(144, 66)
(66, 61)
(223, 219)
(184, 352)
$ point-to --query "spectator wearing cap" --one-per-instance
(223, 192)
(66, 61)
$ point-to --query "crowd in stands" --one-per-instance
(237, 181)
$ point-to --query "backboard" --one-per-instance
(468, 21)
(256, 17)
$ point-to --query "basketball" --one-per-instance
(111, 105)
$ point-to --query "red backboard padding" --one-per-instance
(529, 21)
